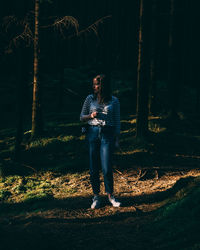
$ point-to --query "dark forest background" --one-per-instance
(150, 51)
(113, 48)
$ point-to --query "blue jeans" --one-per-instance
(101, 141)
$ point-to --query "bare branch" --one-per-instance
(26, 34)
(63, 23)
(93, 27)
(8, 21)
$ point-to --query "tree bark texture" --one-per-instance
(172, 68)
(142, 78)
(37, 120)
(152, 89)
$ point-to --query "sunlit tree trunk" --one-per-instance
(37, 121)
(142, 78)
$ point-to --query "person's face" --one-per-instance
(96, 86)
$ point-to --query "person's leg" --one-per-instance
(106, 152)
(106, 149)
(94, 148)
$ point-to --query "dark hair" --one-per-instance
(104, 94)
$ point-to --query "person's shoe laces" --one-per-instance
(114, 202)
(95, 202)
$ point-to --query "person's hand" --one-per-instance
(93, 114)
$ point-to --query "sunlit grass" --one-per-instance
(130, 152)
(44, 185)
(50, 143)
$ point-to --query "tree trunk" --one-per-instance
(172, 70)
(20, 107)
(37, 121)
(21, 86)
(61, 72)
(152, 90)
(142, 78)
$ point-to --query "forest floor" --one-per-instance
(63, 219)
(45, 199)
(66, 221)
(49, 207)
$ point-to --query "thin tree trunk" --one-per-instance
(20, 107)
(152, 90)
(61, 75)
(172, 71)
(22, 87)
(37, 121)
(142, 78)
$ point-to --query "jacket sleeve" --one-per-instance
(86, 107)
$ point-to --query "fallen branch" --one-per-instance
(29, 167)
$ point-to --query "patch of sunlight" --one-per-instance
(133, 121)
(130, 152)
(74, 175)
(156, 128)
(124, 121)
(128, 131)
(27, 132)
(154, 117)
(67, 138)
(44, 142)
(70, 190)
(81, 138)
(12, 179)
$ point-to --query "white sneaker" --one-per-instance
(95, 202)
(114, 202)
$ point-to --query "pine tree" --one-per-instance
(142, 77)
(37, 119)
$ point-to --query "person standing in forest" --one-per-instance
(101, 111)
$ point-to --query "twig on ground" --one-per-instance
(29, 167)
